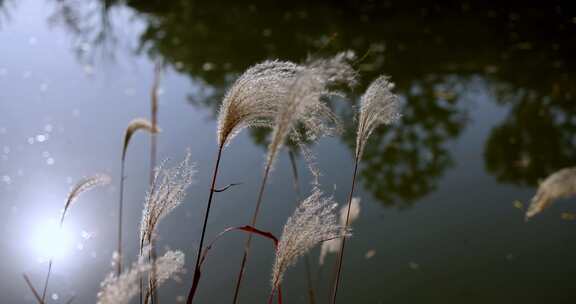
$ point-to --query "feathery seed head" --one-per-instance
(171, 263)
(121, 289)
(82, 186)
(336, 70)
(560, 184)
(303, 106)
(314, 221)
(135, 125)
(253, 99)
(166, 193)
(378, 106)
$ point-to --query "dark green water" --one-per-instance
(488, 96)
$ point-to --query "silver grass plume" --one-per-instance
(121, 289)
(334, 245)
(561, 184)
(135, 125)
(166, 193)
(336, 70)
(83, 186)
(378, 106)
(253, 98)
(303, 106)
(314, 221)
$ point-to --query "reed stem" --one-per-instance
(271, 296)
(120, 203)
(341, 252)
(210, 197)
(153, 139)
(249, 239)
(46, 281)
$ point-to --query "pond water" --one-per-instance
(488, 104)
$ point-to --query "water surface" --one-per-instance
(488, 96)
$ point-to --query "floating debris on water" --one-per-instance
(518, 205)
(370, 254)
(414, 266)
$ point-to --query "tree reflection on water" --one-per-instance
(524, 54)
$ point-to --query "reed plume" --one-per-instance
(166, 193)
(333, 246)
(560, 184)
(313, 221)
(82, 186)
(120, 289)
(378, 106)
(134, 126)
(302, 106)
(252, 101)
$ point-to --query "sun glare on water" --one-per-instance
(50, 240)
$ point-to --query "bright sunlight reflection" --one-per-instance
(49, 240)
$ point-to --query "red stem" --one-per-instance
(249, 239)
(249, 229)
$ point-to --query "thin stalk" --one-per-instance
(152, 283)
(271, 297)
(210, 197)
(249, 239)
(154, 119)
(50, 262)
(341, 253)
(308, 267)
(34, 292)
(120, 203)
(47, 279)
(296, 183)
(153, 139)
(275, 287)
(140, 275)
(151, 295)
